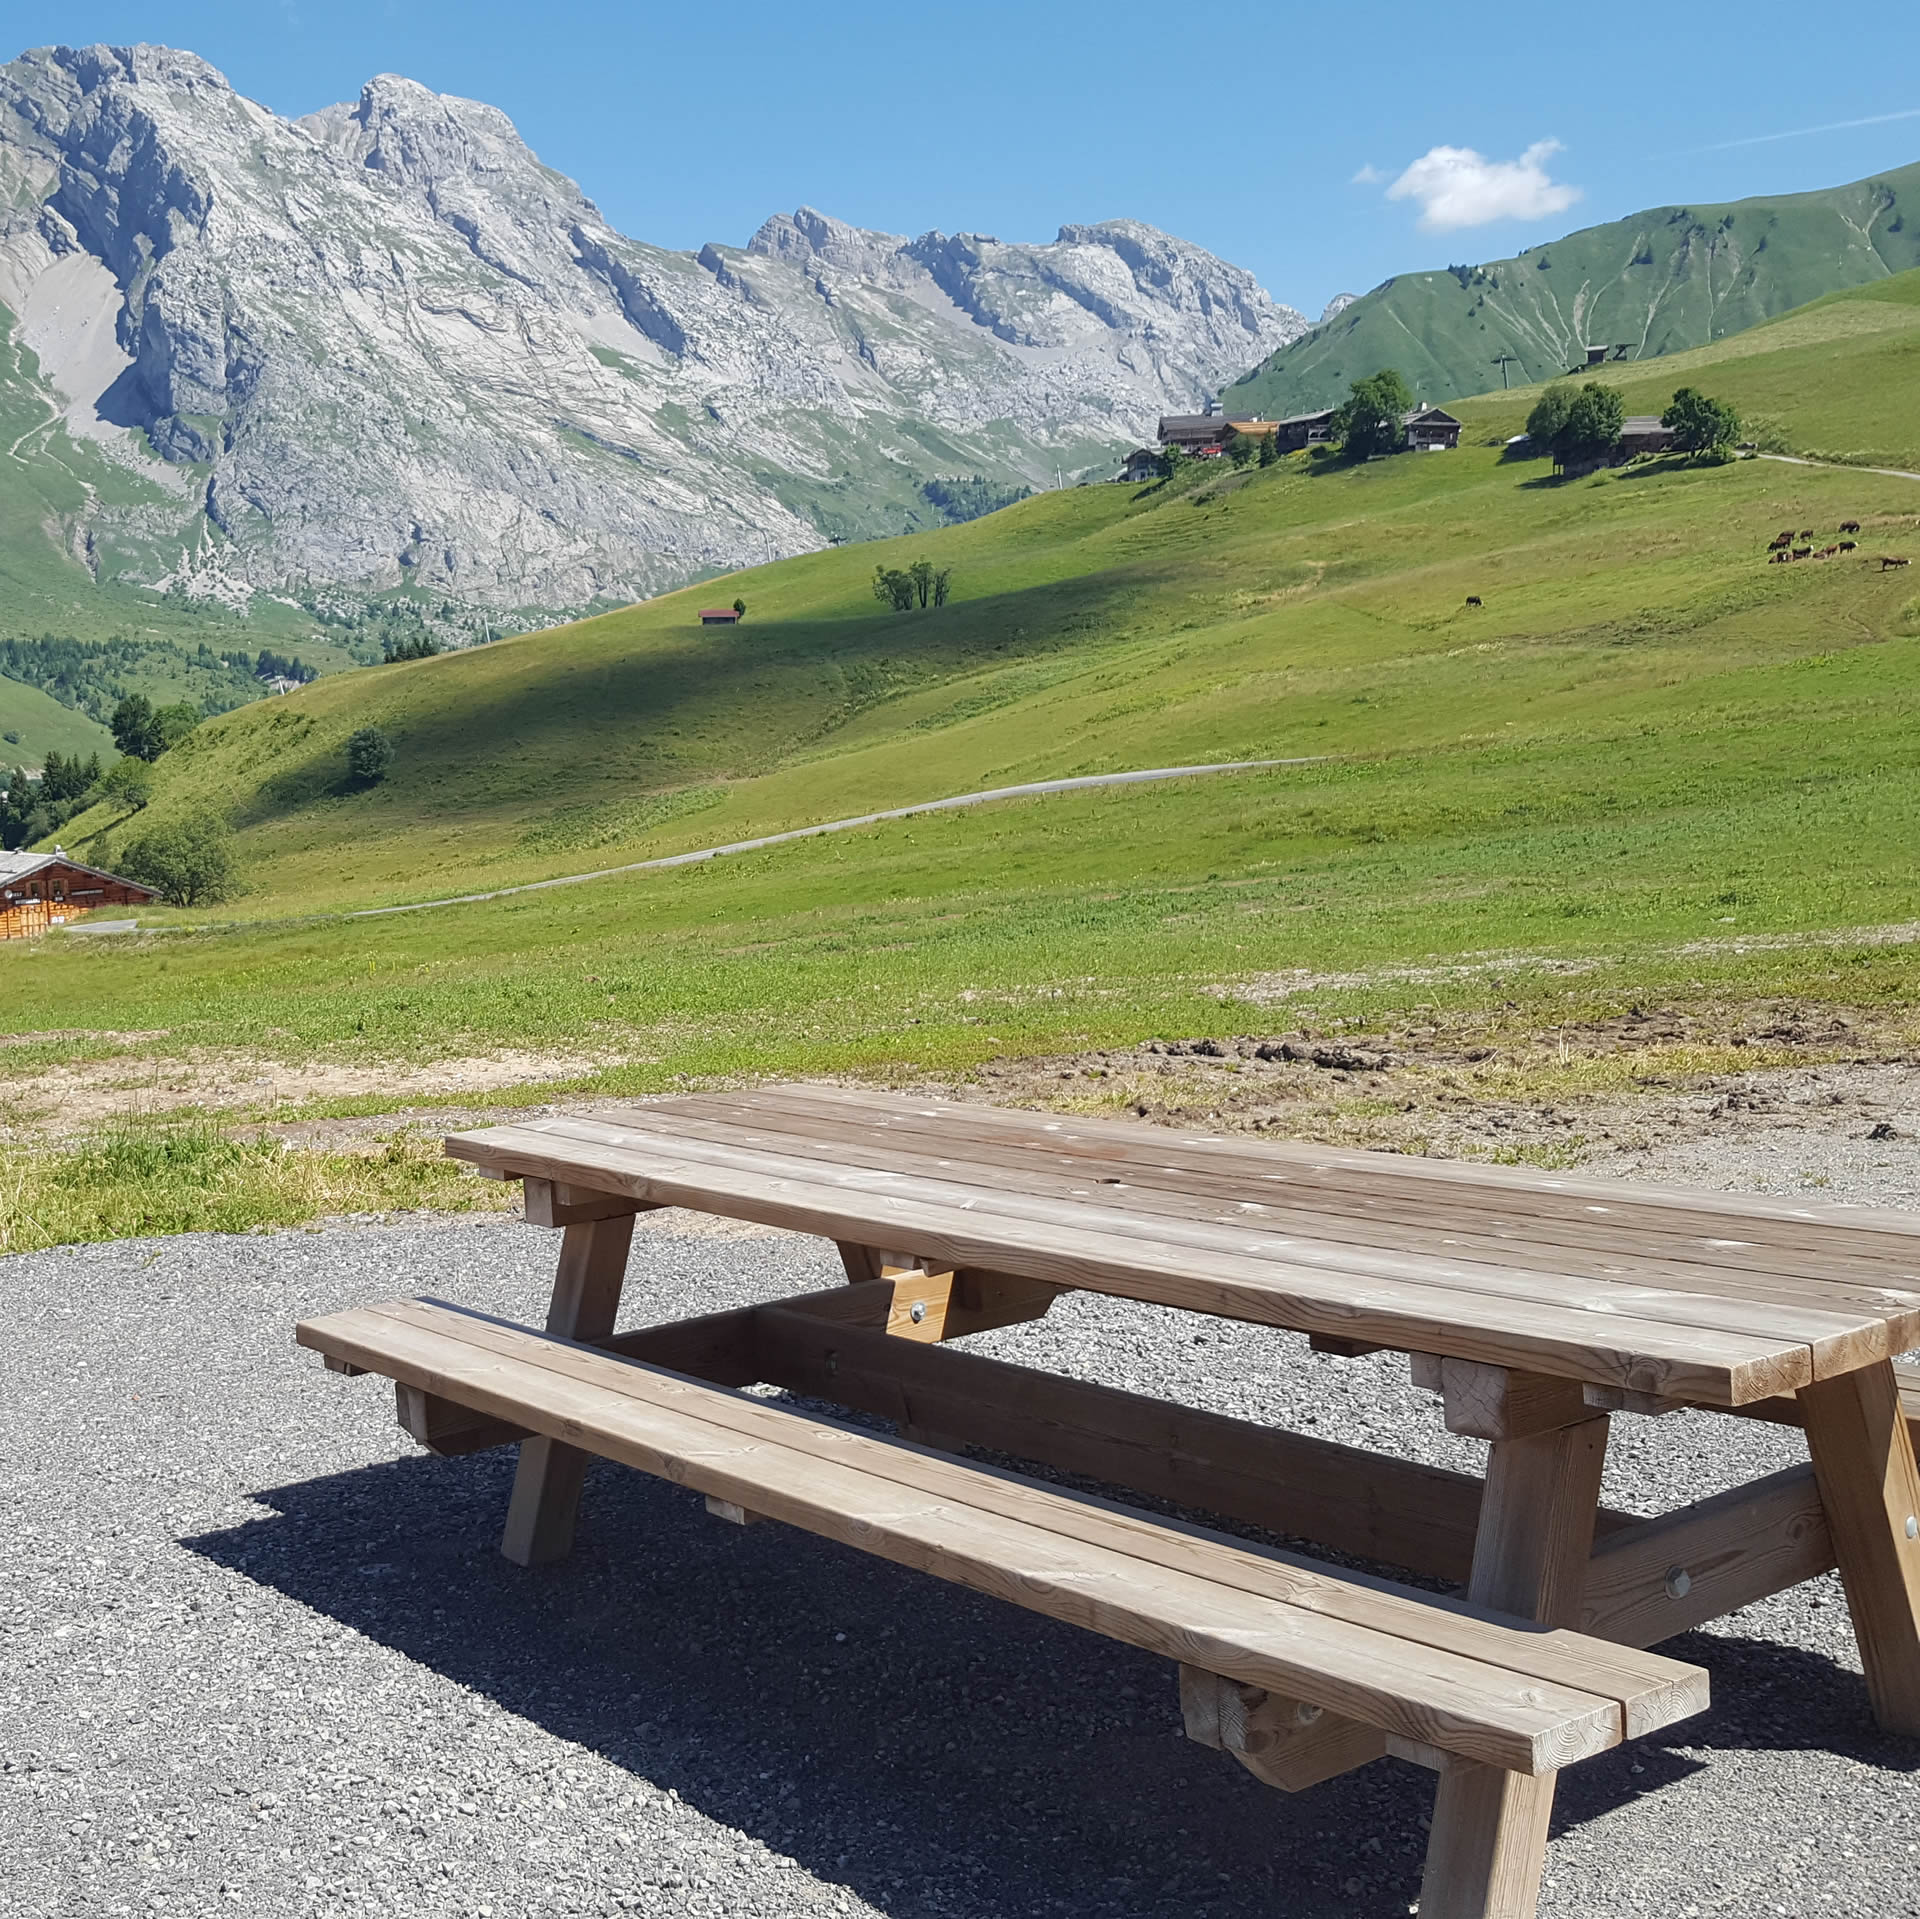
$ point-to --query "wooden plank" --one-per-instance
(952, 1304)
(1869, 1484)
(1560, 1191)
(547, 1482)
(1489, 1839)
(1717, 1228)
(1611, 1242)
(1649, 1691)
(1838, 1339)
(1420, 1691)
(717, 1346)
(1257, 1281)
(1371, 1505)
(1651, 1580)
(1785, 1410)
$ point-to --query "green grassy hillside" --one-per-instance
(1644, 744)
(1661, 281)
(32, 725)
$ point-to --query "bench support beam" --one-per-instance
(1530, 1557)
(586, 1300)
(1870, 1485)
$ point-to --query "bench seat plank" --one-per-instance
(1584, 1330)
(1433, 1673)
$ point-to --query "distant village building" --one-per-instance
(1429, 430)
(1643, 433)
(1191, 432)
(719, 616)
(1300, 430)
(39, 890)
(1141, 465)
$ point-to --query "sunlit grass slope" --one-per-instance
(1298, 611)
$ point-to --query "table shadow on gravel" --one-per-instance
(934, 1750)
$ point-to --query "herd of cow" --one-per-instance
(1782, 549)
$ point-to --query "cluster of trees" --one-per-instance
(418, 644)
(958, 500)
(904, 588)
(143, 731)
(1371, 419)
(268, 665)
(1577, 424)
(1582, 425)
(93, 676)
(188, 861)
(32, 809)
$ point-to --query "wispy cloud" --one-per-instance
(1457, 187)
(1800, 133)
(1371, 176)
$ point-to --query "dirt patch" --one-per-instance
(64, 1100)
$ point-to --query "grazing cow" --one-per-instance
(1788, 535)
(1777, 558)
(1473, 599)
(1849, 546)
(1887, 561)
(1808, 533)
(1826, 553)
(1803, 552)
(1785, 539)
(1849, 526)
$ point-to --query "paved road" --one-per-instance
(841, 826)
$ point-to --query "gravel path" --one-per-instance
(262, 1657)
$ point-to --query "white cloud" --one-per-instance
(1369, 176)
(1457, 187)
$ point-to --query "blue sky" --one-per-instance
(1473, 130)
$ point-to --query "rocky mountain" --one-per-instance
(1656, 282)
(385, 348)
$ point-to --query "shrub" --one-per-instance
(369, 757)
(189, 861)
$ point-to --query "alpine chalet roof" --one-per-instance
(20, 866)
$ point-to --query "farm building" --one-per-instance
(1429, 430)
(1192, 431)
(1299, 430)
(1142, 464)
(39, 890)
(719, 616)
(1643, 433)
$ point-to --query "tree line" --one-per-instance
(919, 585)
(1582, 426)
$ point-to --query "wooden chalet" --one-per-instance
(1643, 433)
(40, 890)
(1141, 465)
(1191, 432)
(1300, 430)
(1429, 430)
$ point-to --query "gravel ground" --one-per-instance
(261, 1656)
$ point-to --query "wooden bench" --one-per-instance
(1300, 1671)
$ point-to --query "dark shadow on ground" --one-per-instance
(935, 1750)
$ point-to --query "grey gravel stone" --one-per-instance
(261, 1656)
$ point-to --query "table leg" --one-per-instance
(1530, 1557)
(1863, 1461)
(586, 1299)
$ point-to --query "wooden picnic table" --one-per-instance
(1534, 1305)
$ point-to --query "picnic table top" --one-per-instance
(1721, 1299)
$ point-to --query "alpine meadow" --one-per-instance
(1645, 763)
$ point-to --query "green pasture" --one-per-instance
(1644, 747)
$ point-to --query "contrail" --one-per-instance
(1797, 133)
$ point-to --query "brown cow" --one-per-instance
(1803, 552)
(1785, 539)
(1826, 553)
(1886, 561)
(1849, 526)
(1777, 558)
(1849, 546)
(1807, 533)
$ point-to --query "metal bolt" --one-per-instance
(917, 1311)
(1913, 1527)
(1679, 1583)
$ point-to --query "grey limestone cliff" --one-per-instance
(386, 346)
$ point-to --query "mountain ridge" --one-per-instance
(1660, 281)
(384, 348)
